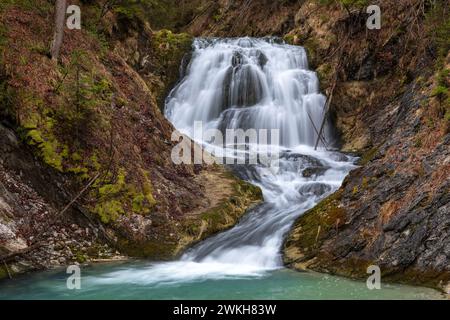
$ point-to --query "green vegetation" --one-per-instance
(115, 198)
(355, 3)
(219, 218)
(438, 23)
(225, 214)
(54, 131)
(171, 46)
(318, 221)
(346, 3)
(442, 93)
(312, 47)
(368, 156)
(161, 14)
(169, 49)
(24, 4)
(3, 41)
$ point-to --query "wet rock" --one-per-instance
(305, 159)
(314, 171)
(237, 59)
(316, 189)
(338, 156)
(261, 58)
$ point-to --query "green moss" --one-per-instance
(438, 25)
(39, 133)
(440, 92)
(447, 115)
(355, 3)
(76, 156)
(289, 38)
(35, 124)
(218, 15)
(443, 76)
(251, 191)
(53, 153)
(115, 199)
(418, 142)
(143, 203)
(156, 249)
(23, 4)
(80, 257)
(169, 49)
(324, 73)
(318, 221)
(365, 182)
(170, 14)
(3, 273)
(40, 48)
(312, 47)
(109, 206)
(109, 211)
(228, 211)
(82, 172)
(368, 156)
(171, 46)
(93, 162)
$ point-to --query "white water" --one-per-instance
(251, 83)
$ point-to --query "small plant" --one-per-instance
(116, 198)
(440, 92)
(40, 48)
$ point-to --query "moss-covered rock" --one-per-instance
(312, 228)
(170, 49)
(174, 236)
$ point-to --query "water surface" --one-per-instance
(140, 281)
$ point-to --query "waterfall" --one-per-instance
(261, 84)
(249, 83)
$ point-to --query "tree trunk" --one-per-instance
(60, 17)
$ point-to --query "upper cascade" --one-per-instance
(248, 83)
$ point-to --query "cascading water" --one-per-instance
(239, 83)
(250, 83)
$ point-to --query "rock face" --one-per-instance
(390, 104)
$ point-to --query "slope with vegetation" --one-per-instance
(85, 163)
